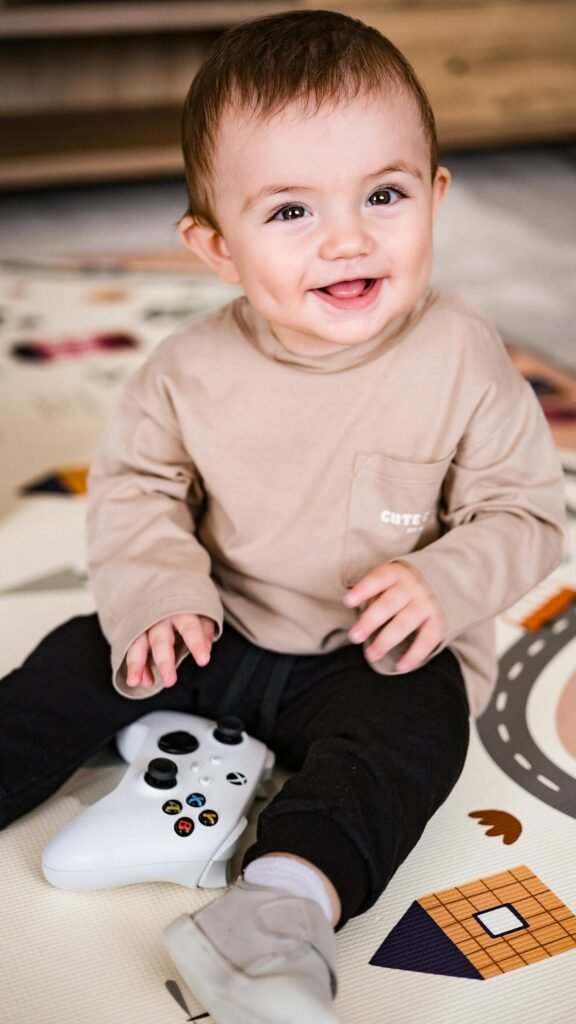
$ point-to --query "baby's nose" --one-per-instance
(346, 239)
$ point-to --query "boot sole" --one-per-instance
(230, 996)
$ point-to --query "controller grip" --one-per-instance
(131, 739)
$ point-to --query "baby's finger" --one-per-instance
(401, 626)
(136, 657)
(380, 611)
(191, 630)
(161, 637)
(427, 640)
(208, 628)
(376, 581)
(148, 676)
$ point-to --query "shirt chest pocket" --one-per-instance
(392, 510)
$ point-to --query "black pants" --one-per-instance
(373, 756)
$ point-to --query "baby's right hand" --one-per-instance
(157, 646)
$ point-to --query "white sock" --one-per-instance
(292, 876)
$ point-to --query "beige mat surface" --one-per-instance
(486, 898)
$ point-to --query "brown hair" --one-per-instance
(261, 66)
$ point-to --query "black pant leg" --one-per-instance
(373, 758)
(58, 709)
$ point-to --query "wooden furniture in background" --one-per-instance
(496, 71)
(94, 90)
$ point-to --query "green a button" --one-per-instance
(172, 807)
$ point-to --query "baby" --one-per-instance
(308, 509)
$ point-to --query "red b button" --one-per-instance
(184, 827)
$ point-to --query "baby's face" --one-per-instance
(327, 218)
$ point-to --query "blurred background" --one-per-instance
(93, 90)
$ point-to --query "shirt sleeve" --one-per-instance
(144, 495)
(502, 513)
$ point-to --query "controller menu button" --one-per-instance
(195, 800)
(229, 730)
(180, 742)
(184, 827)
(208, 818)
(161, 773)
(172, 807)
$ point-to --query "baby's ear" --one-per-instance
(210, 247)
(440, 186)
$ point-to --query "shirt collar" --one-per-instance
(259, 334)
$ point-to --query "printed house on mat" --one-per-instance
(481, 929)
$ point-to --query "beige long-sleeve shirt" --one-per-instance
(249, 484)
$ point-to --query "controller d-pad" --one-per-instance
(208, 818)
(184, 827)
(172, 807)
(196, 799)
(179, 742)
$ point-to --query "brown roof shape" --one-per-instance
(481, 929)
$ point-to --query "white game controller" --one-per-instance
(178, 813)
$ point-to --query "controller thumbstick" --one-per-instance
(229, 730)
(161, 773)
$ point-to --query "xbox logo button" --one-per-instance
(236, 779)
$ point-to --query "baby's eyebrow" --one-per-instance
(272, 190)
(398, 167)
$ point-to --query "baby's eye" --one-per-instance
(386, 196)
(293, 212)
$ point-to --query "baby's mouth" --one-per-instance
(352, 296)
(349, 289)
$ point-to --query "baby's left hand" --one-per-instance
(401, 602)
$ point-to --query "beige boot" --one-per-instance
(258, 956)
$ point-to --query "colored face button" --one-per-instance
(195, 800)
(184, 827)
(208, 818)
(172, 807)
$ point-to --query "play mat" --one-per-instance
(489, 894)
